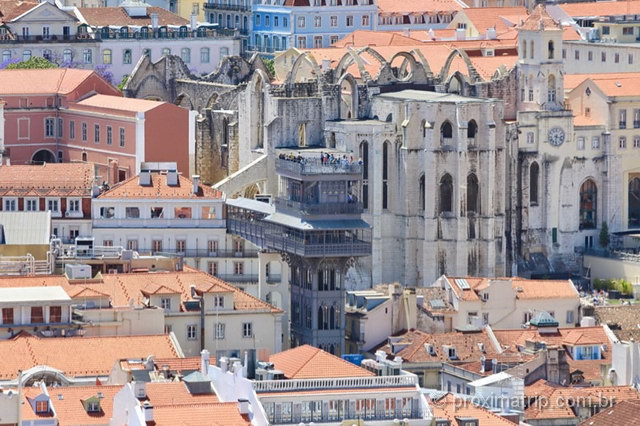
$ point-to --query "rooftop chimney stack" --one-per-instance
(196, 183)
(154, 21)
(243, 406)
(194, 21)
(148, 411)
(205, 356)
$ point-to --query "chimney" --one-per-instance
(148, 411)
(204, 362)
(491, 33)
(196, 183)
(243, 406)
(192, 289)
(154, 21)
(224, 364)
(140, 389)
(193, 22)
(482, 361)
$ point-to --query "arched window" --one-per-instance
(534, 176)
(332, 318)
(634, 203)
(473, 194)
(106, 56)
(472, 129)
(84, 156)
(126, 56)
(588, 205)
(26, 55)
(385, 175)
(6, 55)
(364, 156)
(320, 317)
(124, 32)
(551, 48)
(446, 193)
(446, 131)
(421, 197)
(551, 88)
(144, 32)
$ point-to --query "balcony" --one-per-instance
(236, 278)
(230, 7)
(312, 209)
(55, 38)
(202, 253)
(309, 167)
(284, 243)
(297, 385)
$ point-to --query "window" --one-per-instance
(530, 138)
(302, 42)
(446, 194)
(212, 268)
(181, 246)
(238, 268)
(185, 54)
(317, 21)
(636, 118)
(156, 245)
(208, 213)
(93, 407)
(588, 205)
(37, 315)
(301, 22)
(204, 55)
(53, 205)
(569, 317)
(219, 331)
(349, 21)
(224, 51)
(333, 39)
(107, 243)
(630, 60)
(84, 132)
(622, 115)
(212, 246)
(576, 55)
(473, 194)
(166, 51)
(275, 21)
(60, 129)
(10, 204)
(551, 88)
(627, 30)
(72, 129)
(96, 133)
(132, 212)
(446, 132)
(334, 21)
(590, 55)
(74, 205)
(55, 314)
(622, 142)
(551, 49)
(107, 57)
(616, 58)
(603, 56)
(32, 204)
(121, 137)
(595, 142)
(258, 20)
(581, 143)
(165, 303)
(285, 22)
(182, 212)
(109, 135)
(218, 301)
(42, 406)
(247, 329)
(49, 127)
(192, 332)
(26, 55)
(317, 42)
(157, 212)
(107, 212)
(132, 245)
(7, 315)
(365, 20)
(606, 30)
(146, 52)
(6, 56)
(534, 172)
(126, 56)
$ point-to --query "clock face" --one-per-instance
(556, 136)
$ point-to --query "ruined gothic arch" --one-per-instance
(408, 67)
(257, 90)
(305, 59)
(184, 101)
(347, 60)
(455, 83)
(473, 73)
(423, 62)
(212, 101)
(348, 97)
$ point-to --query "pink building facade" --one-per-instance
(70, 115)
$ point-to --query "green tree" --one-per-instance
(270, 64)
(35, 62)
(125, 78)
(604, 235)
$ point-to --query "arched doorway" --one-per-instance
(43, 156)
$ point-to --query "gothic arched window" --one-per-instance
(473, 194)
(588, 205)
(634, 203)
(534, 176)
(446, 193)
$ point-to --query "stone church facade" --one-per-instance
(463, 175)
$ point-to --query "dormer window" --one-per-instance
(124, 32)
(42, 407)
(218, 301)
(93, 407)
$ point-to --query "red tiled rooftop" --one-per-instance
(307, 362)
(78, 356)
(118, 103)
(41, 81)
(131, 188)
(217, 414)
(448, 407)
(47, 180)
(67, 402)
(106, 16)
(161, 394)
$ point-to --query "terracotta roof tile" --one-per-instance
(411, 346)
(418, 6)
(500, 18)
(449, 408)
(623, 413)
(54, 179)
(162, 394)
(131, 188)
(539, 19)
(10, 9)
(217, 414)
(601, 8)
(525, 289)
(361, 38)
(117, 103)
(60, 81)
(105, 16)
(78, 356)
(307, 362)
(67, 403)
(180, 364)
